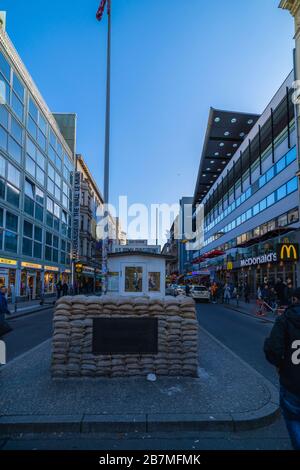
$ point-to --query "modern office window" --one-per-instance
(270, 174)
(32, 240)
(16, 130)
(262, 205)
(271, 200)
(34, 200)
(11, 221)
(3, 139)
(282, 220)
(293, 216)
(256, 209)
(281, 192)
(2, 166)
(33, 110)
(11, 242)
(291, 156)
(14, 149)
(280, 165)
(4, 67)
(18, 87)
(292, 185)
(4, 117)
(17, 106)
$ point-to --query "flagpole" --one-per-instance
(106, 154)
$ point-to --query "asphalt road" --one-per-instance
(242, 334)
(28, 332)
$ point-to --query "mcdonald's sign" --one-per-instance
(288, 252)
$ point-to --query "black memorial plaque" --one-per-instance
(125, 336)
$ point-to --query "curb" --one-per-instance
(14, 316)
(106, 423)
(236, 309)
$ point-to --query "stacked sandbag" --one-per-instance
(73, 335)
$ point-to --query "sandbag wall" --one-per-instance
(73, 330)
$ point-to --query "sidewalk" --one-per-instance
(249, 309)
(228, 395)
(29, 306)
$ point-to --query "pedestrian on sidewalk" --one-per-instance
(246, 292)
(282, 349)
(4, 326)
(281, 291)
(227, 294)
(58, 289)
(65, 288)
(214, 292)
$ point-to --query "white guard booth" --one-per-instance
(136, 274)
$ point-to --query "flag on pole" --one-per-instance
(101, 9)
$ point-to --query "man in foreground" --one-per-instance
(282, 349)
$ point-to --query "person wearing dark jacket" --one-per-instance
(281, 291)
(4, 326)
(282, 349)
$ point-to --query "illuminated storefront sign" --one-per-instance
(10, 262)
(288, 252)
(268, 258)
(31, 265)
(51, 268)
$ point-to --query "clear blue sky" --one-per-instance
(171, 61)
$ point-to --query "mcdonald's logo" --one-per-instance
(229, 266)
(288, 252)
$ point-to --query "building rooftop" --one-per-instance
(225, 132)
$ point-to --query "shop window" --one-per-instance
(282, 220)
(293, 216)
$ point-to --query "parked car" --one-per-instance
(200, 293)
(180, 290)
(172, 290)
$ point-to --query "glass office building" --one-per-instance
(248, 184)
(36, 173)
